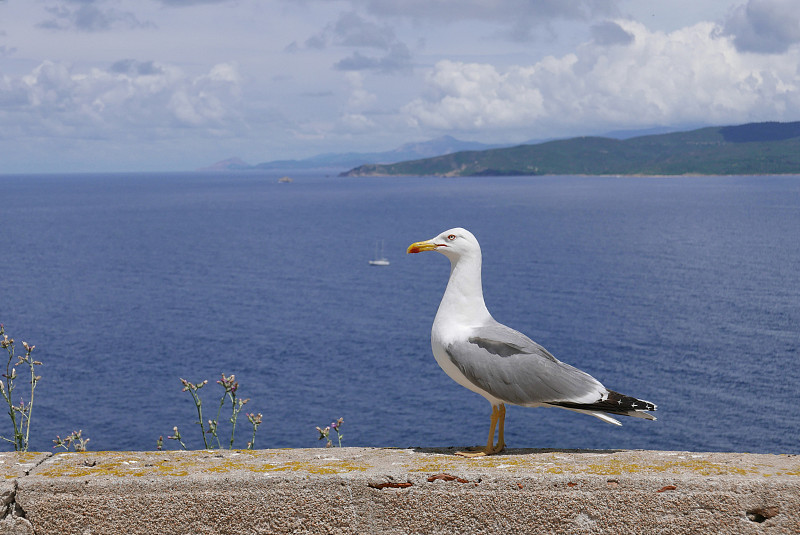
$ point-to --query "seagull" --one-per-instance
(499, 363)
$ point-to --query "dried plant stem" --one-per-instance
(230, 388)
(193, 388)
(255, 421)
(20, 414)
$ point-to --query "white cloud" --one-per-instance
(353, 118)
(692, 75)
(130, 99)
(360, 99)
(474, 96)
(223, 73)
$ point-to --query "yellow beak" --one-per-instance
(420, 246)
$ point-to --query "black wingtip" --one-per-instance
(614, 403)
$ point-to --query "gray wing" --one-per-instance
(514, 368)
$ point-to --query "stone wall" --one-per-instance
(425, 491)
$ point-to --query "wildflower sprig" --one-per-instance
(325, 433)
(231, 386)
(176, 436)
(198, 402)
(255, 421)
(210, 429)
(74, 439)
(20, 414)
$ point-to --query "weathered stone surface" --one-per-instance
(366, 490)
(13, 525)
(13, 466)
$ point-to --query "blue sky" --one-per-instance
(149, 85)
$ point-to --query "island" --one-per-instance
(750, 149)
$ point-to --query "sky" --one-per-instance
(172, 85)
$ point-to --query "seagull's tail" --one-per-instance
(614, 403)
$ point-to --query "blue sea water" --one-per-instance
(683, 291)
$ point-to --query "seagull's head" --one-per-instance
(454, 243)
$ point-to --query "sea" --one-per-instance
(684, 291)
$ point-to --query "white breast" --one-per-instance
(438, 345)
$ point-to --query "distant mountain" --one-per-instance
(229, 164)
(409, 151)
(434, 147)
(755, 148)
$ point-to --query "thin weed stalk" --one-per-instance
(230, 388)
(20, 414)
(192, 389)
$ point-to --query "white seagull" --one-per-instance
(499, 363)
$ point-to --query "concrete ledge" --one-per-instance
(367, 490)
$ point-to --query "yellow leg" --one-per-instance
(501, 443)
(490, 443)
(498, 416)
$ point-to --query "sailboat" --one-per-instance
(379, 260)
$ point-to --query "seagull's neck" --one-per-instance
(463, 303)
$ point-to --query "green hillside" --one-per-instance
(756, 148)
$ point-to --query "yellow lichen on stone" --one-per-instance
(619, 467)
(329, 467)
(160, 464)
(116, 464)
(324, 467)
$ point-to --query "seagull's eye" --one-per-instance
(451, 237)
